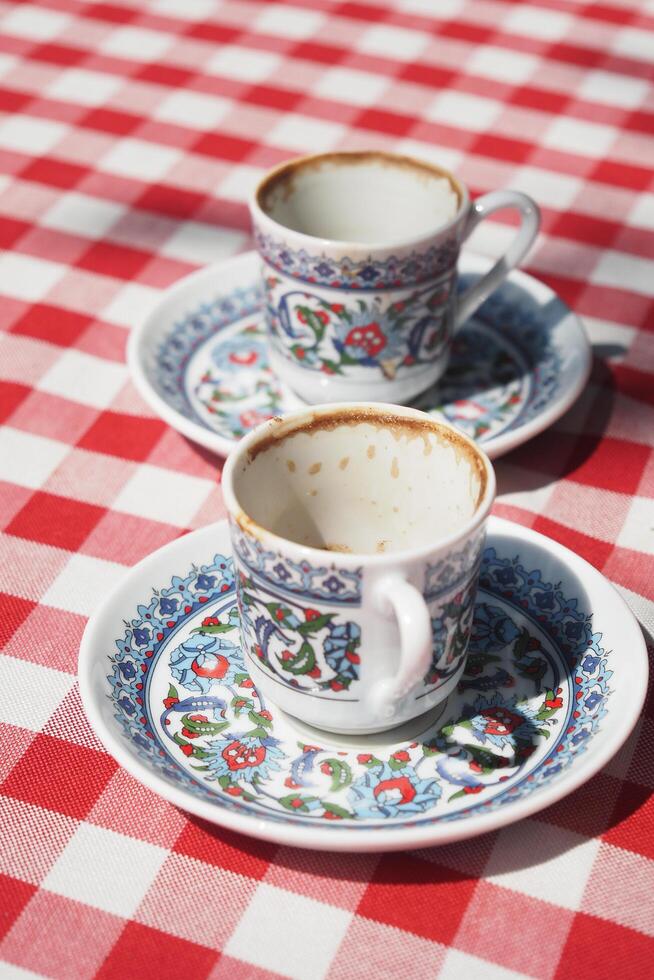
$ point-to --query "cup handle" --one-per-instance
(395, 594)
(475, 295)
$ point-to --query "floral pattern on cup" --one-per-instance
(402, 270)
(535, 690)
(362, 333)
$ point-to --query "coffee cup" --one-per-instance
(359, 268)
(357, 532)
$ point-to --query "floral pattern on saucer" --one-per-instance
(213, 369)
(535, 689)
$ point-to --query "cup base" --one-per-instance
(316, 388)
(408, 731)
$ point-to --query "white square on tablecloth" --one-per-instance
(26, 277)
(193, 109)
(136, 158)
(514, 67)
(614, 89)
(288, 22)
(28, 135)
(84, 378)
(534, 857)
(82, 584)
(35, 692)
(443, 10)
(463, 110)
(624, 271)
(638, 529)
(578, 136)
(398, 43)
(104, 869)
(197, 242)
(642, 213)
(163, 495)
(351, 86)
(632, 42)
(81, 214)
(548, 189)
(549, 25)
(131, 304)
(26, 459)
(34, 22)
(7, 63)
(463, 966)
(243, 64)
(184, 9)
(11, 972)
(240, 182)
(84, 87)
(520, 487)
(261, 937)
(305, 135)
(135, 42)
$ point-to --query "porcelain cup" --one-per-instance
(359, 264)
(357, 533)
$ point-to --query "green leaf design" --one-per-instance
(341, 774)
(279, 613)
(203, 727)
(296, 803)
(338, 811)
(172, 691)
(259, 720)
(396, 764)
(315, 625)
(303, 662)
(220, 628)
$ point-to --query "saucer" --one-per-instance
(554, 684)
(200, 360)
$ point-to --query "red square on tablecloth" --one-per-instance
(15, 896)
(59, 776)
(127, 436)
(148, 953)
(597, 948)
(11, 395)
(14, 612)
(228, 850)
(632, 821)
(613, 464)
(54, 520)
(52, 323)
(427, 899)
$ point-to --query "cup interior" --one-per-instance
(360, 481)
(365, 198)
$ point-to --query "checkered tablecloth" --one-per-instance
(130, 134)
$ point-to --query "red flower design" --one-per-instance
(401, 756)
(401, 785)
(337, 307)
(554, 703)
(187, 749)
(214, 665)
(240, 756)
(244, 358)
(310, 614)
(211, 621)
(251, 418)
(322, 316)
(500, 721)
(472, 789)
(369, 337)
(364, 758)
(169, 702)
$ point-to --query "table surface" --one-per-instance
(130, 134)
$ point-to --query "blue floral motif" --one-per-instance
(245, 757)
(200, 659)
(492, 628)
(367, 273)
(385, 793)
(339, 649)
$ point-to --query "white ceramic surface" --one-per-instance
(376, 517)
(359, 256)
(558, 658)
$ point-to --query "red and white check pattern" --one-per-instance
(130, 133)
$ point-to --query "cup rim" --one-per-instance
(351, 560)
(312, 242)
